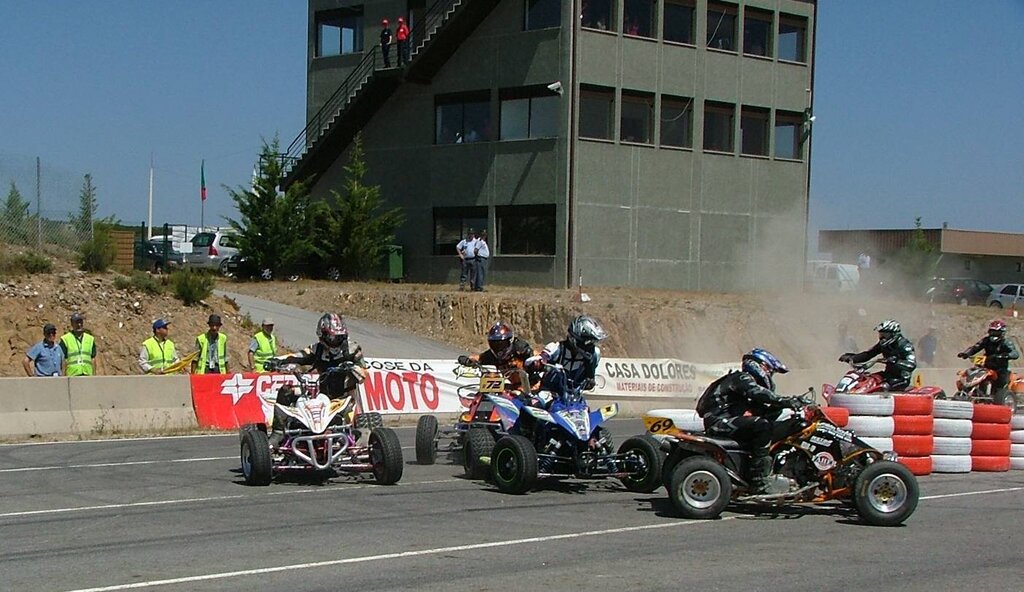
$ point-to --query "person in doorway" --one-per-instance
(45, 357)
(385, 42)
(483, 256)
(79, 347)
(263, 345)
(158, 351)
(403, 42)
(213, 349)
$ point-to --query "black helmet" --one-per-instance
(331, 330)
(584, 333)
(499, 340)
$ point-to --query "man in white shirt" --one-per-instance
(483, 255)
(466, 250)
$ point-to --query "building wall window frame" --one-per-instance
(676, 122)
(754, 131)
(719, 124)
(542, 14)
(596, 113)
(636, 119)
(462, 118)
(640, 18)
(339, 31)
(452, 224)
(525, 230)
(599, 15)
(757, 32)
(722, 26)
(789, 135)
(528, 113)
(679, 22)
(792, 39)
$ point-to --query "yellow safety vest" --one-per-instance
(266, 348)
(161, 355)
(79, 354)
(222, 353)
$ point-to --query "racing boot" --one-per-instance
(760, 468)
(277, 430)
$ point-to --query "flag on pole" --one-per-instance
(202, 180)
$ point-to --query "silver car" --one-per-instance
(211, 250)
(1006, 296)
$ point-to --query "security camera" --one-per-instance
(555, 87)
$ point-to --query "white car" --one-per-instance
(1006, 295)
(211, 250)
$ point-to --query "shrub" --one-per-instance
(22, 263)
(138, 281)
(191, 286)
(97, 254)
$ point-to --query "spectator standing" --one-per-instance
(263, 345)
(385, 42)
(403, 42)
(158, 351)
(483, 255)
(465, 250)
(44, 358)
(79, 347)
(213, 349)
(927, 346)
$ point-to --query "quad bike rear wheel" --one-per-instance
(255, 453)
(645, 450)
(700, 488)
(426, 440)
(479, 443)
(885, 493)
(386, 456)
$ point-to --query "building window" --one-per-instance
(636, 123)
(339, 32)
(542, 14)
(718, 126)
(792, 38)
(754, 131)
(597, 104)
(722, 26)
(463, 118)
(640, 18)
(452, 224)
(528, 113)
(598, 14)
(525, 230)
(679, 21)
(757, 32)
(676, 122)
(788, 139)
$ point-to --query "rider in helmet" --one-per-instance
(738, 405)
(333, 348)
(507, 352)
(578, 353)
(998, 352)
(898, 351)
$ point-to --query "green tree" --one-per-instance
(276, 230)
(87, 203)
(917, 260)
(14, 224)
(358, 229)
(98, 253)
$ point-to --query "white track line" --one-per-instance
(115, 464)
(966, 493)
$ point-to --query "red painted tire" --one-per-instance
(915, 445)
(990, 431)
(913, 425)
(989, 448)
(992, 414)
(837, 415)
(990, 464)
(912, 404)
(918, 465)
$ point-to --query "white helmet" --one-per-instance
(888, 331)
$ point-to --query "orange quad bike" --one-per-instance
(478, 426)
(976, 384)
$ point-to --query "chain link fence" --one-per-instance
(39, 204)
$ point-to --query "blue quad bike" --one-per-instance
(566, 440)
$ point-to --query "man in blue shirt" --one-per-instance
(45, 357)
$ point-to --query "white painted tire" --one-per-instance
(871, 426)
(1017, 436)
(1017, 450)
(864, 404)
(1017, 422)
(946, 446)
(953, 428)
(684, 419)
(1016, 463)
(880, 444)
(951, 464)
(947, 409)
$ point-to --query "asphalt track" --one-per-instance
(173, 514)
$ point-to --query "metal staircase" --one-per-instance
(436, 37)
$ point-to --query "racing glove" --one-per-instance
(847, 357)
(963, 355)
(588, 384)
(464, 360)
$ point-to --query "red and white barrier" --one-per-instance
(952, 450)
(990, 438)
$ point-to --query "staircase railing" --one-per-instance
(431, 20)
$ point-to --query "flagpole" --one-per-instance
(149, 222)
(202, 195)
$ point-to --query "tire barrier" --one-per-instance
(878, 443)
(871, 426)
(992, 414)
(918, 465)
(947, 409)
(1017, 422)
(913, 405)
(913, 425)
(990, 431)
(990, 438)
(948, 446)
(913, 429)
(990, 464)
(913, 445)
(1017, 436)
(946, 463)
(880, 405)
(837, 415)
(953, 428)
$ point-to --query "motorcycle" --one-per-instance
(565, 438)
(813, 461)
(859, 380)
(975, 384)
(477, 427)
(323, 436)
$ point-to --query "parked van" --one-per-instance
(831, 277)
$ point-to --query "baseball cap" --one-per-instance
(160, 324)
(214, 320)
(267, 321)
(49, 328)
(77, 317)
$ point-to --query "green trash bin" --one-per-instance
(393, 261)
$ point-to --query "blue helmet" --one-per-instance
(761, 364)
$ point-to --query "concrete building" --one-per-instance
(660, 144)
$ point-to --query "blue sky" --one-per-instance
(918, 104)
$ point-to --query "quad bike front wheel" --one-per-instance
(1005, 396)
(699, 488)
(479, 443)
(426, 440)
(885, 493)
(386, 456)
(514, 464)
(255, 453)
(644, 450)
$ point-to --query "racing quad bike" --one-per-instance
(476, 429)
(323, 437)
(976, 384)
(813, 461)
(859, 380)
(566, 439)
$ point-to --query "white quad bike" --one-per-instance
(323, 437)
